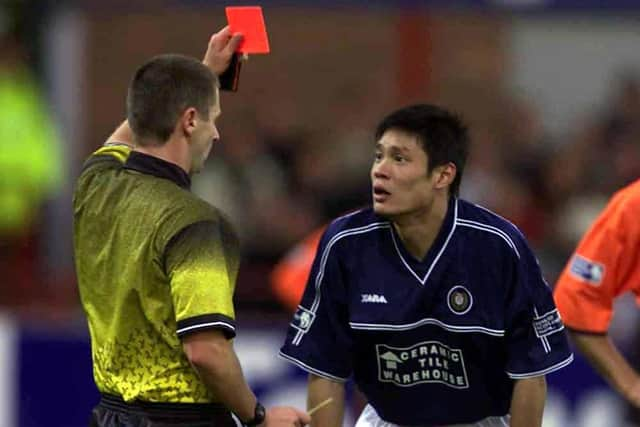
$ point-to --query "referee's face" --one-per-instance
(203, 138)
(399, 181)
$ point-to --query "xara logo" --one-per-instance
(373, 298)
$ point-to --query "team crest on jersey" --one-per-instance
(425, 362)
(586, 270)
(459, 300)
(303, 319)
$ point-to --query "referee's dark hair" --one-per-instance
(441, 133)
(162, 89)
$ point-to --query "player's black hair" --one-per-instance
(162, 89)
(442, 135)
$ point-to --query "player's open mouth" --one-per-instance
(380, 194)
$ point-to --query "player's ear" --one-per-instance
(444, 175)
(188, 121)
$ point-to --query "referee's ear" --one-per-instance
(444, 175)
(188, 121)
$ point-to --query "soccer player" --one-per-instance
(436, 306)
(157, 266)
(605, 265)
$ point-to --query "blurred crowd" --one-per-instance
(31, 163)
(278, 183)
(553, 186)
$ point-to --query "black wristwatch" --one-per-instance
(259, 414)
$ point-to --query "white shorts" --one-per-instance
(370, 418)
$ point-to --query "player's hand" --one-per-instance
(221, 48)
(285, 416)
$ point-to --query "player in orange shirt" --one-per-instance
(289, 277)
(605, 265)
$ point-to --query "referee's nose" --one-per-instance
(216, 134)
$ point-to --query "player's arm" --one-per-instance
(220, 49)
(537, 344)
(601, 269)
(604, 356)
(319, 390)
(319, 338)
(527, 402)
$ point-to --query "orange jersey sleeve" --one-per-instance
(605, 264)
(290, 275)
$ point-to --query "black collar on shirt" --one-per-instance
(155, 166)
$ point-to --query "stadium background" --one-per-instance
(551, 90)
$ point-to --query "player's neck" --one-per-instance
(419, 230)
(171, 151)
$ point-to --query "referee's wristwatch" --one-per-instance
(259, 414)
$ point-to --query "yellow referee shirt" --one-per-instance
(154, 262)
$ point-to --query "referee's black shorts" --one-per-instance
(112, 411)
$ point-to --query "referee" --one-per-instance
(157, 266)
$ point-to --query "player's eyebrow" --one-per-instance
(392, 147)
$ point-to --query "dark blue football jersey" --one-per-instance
(433, 341)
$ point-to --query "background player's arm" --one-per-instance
(320, 389)
(586, 300)
(220, 49)
(527, 402)
(610, 363)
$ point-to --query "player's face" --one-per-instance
(205, 134)
(399, 180)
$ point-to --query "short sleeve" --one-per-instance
(536, 340)
(201, 262)
(318, 339)
(600, 269)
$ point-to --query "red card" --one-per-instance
(249, 21)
